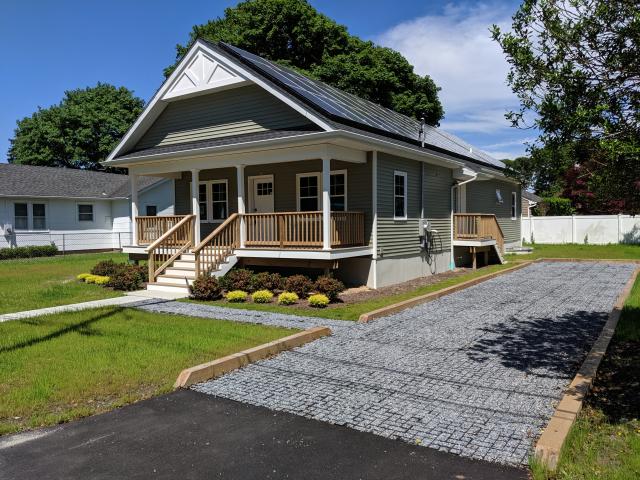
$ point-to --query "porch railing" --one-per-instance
(302, 230)
(478, 226)
(149, 229)
(218, 245)
(170, 245)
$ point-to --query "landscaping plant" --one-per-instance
(127, 280)
(237, 296)
(237, 279)
(329, 286)
(262, 296)
(205, 287)
(287, 298)
(28, 252)
(301, 285)
(318, 300)
(106, 268)
(267, 281)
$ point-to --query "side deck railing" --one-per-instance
(478, 226)
(149, 229)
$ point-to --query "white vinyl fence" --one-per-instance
(593, 229)
(68, 241)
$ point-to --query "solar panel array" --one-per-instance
(351, 108)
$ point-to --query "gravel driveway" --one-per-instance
(476, 373)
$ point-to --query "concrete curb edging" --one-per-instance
(412, 302)
(216, 368)
(549, 445)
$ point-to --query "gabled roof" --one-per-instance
(532, 197)
(36, 181)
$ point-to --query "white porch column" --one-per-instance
(326, 204)
(241, 204)
(195, 203)
(133, 181)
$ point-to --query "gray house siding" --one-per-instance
(398, 237)
(481, 198)
(437, 203)
(231, 112)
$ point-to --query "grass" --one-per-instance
(576, 250)
(27, 284)
(60, 367)
(604, 443)
(353, 311)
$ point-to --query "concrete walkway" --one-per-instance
(476, 373)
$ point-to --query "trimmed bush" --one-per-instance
(101, 280)
(106, 268)
(329, 286)
(90, 278)
(287, 298)
(126, 279)
(82, 276)
(262, 296)
(237, 279)
(237, 296)
(205, 287)
(318, 300)
(301, 285)
(32, 251)
(267, 281)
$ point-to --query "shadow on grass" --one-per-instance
(551, 347)
(82, 328)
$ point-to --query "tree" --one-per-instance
(79, 132)
(575, 64)
(293, 33)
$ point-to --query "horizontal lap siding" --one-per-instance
(481, 198)
(437, 203)
(398, 237)
(231, 112)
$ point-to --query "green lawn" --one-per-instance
(576, 250)
(59, 367)
(353, 311)
(31, 283)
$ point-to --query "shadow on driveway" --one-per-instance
(189, 435)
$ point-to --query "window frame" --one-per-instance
(45, 216)
(340, 172)
(318, 196)
(209, 200)
(403, 174)
(93, 212)
(15, 226)
(343, 171)
(29, 217)
(514, 206)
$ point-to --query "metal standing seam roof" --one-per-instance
(37, 181)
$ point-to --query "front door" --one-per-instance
(261, 189)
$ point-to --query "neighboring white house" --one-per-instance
(75, 209)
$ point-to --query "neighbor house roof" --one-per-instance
(532, 197)
(35, 181)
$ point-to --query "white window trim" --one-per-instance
(30, 204)
(406, 194)
(93, 213)
(514, 206)
(319, 196)
(209, 200)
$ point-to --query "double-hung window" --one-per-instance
(514, 205)
(21, 216)
(400, 195)
(309, 192)
(213, 198)
(338, 191)
(203, 201)
(85, 212)
(39, 216)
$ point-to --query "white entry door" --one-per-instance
(261, 189)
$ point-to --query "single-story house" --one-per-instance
(78, 210)
(529, 200)
(273, 168)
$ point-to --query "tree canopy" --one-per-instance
(78, 132)
(575, 65)
(295, 34)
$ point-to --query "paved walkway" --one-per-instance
(475, 373)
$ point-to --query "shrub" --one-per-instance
(101, 280)
(301, 285)
(318, 300)
(90, 278)
(266, 281)
(237, 296)
(126, 279)
(205, 287)
(287, 298)
(329, 286)
(237, 279)
(82, 276)
(262, 296)
(28, 252)
(554, 206)
(106, 268)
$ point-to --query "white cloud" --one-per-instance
(455, 48)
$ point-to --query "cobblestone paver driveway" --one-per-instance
(475, 373)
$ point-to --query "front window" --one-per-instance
(39, 213)
(85, 213)
(219, 207)
(338, 192)
(308, 193)
(400, 195)
(21, 216)
(152, 210)
(514, 207)
(202, 200)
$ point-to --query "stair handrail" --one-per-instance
(229, 228)
(180, 247)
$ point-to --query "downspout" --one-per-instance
(452, 263)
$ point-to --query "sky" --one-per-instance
(49, 46)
